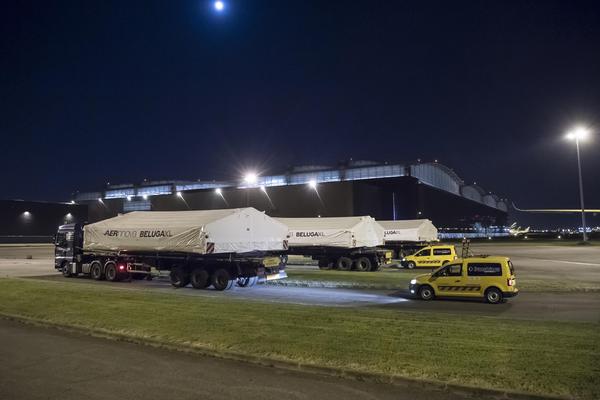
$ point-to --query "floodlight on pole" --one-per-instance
(312, 184)
(179, 194)
(577, 134)
(219, 5)
(218, 191)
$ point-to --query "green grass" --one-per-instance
(549, 358)
(391, 279)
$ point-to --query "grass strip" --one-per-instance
(546, 358)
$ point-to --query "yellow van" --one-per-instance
(430, 257)
(488, 277)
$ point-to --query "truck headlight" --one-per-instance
(413, 282)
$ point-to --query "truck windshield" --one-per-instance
(61, 239)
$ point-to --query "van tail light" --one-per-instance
(121, 267)
(509, 282)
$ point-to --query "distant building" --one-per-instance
(36, 221)
(384, 191)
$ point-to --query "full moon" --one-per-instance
(219, 5)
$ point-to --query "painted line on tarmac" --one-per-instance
(568, 262)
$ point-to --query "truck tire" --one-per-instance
(200, 278)
(344, 264)
(96, 271)
(362, 264)
(247, 281)
(179, 277)
(325, 263)
(65, 268)
(110, 271)
(221, 279)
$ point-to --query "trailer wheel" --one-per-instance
(324, 263)
(362, 264)
(96, 271)
(344, 264)
(221, 279)
(200, 278)
(247, 281)
(110, 271)
(65, 268)
(179, 277)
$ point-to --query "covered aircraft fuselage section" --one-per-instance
(243, 230)
(339, 232)
(415, 230)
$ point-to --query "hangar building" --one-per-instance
(381, 190)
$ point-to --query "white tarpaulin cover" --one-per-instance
(346, 232)
(239, 230)
(410, 230)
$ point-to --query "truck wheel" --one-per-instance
(200, 278)
(411, 265)
(324, 263)
(221, 279)
(493, 295)
(362, 264)
(344, 264)
(426, 292)
(110, 271)
(65, 268)
(96, 271)
(247, 281)
(179, 277)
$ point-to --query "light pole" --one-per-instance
(578, 134)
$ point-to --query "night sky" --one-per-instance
(119, 91)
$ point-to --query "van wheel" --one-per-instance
(221, 279)
(110, 271)
(179, 277)
(362, 264)
(96, 271)
(200, 278)
(344, 264)
(324, 263)
(65, 268)
(493, 295)
(426, 292)
(411, 265)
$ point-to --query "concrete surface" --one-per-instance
(44, 363)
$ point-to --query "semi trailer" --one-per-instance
(405, 237)
(343, 243)
(213, 247)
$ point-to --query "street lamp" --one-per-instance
(577, 134)
(219, 5)
(312, 184)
